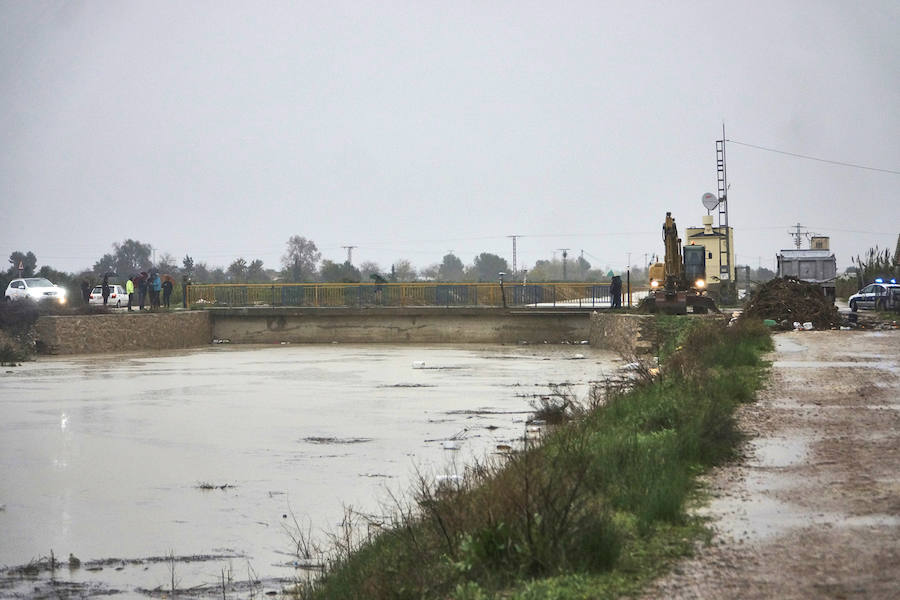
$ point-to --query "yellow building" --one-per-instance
(713, 239)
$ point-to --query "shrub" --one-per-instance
(605, 490)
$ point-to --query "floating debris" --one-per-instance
(333, 440)
(205, 485)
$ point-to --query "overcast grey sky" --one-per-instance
(220, 129)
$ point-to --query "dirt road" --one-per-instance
(813, 508)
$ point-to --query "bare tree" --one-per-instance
(402, 270)
(300, 259)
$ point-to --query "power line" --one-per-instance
(824, 160)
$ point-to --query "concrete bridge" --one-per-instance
(84, 334)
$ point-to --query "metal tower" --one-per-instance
(514, 254)
(721, 176)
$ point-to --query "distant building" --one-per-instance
(815, 265)
(713, 239)
(818, 242)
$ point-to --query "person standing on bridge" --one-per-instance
(129, 289)
(155, 287)
(167, 291)
(615, 292)
(142, 289)
(104, 289)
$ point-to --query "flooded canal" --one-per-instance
(108, 458)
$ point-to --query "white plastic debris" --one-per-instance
(450, 445)
(578, 357)
(808, 326)
(418, 364)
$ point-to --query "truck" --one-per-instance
(812, 265)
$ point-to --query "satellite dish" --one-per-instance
(710, 201)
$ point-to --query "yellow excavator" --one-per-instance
(680, 281)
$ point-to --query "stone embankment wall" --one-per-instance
(91, 334)
(627, 334)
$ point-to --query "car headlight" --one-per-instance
(654, 284)
(700, 284)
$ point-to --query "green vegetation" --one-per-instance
(596, 510)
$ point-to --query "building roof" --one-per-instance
(702, 232)
(794, 253)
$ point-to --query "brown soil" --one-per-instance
(812, 510)
(789, 300)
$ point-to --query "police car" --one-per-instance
(880, 295)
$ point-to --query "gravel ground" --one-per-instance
(812, 510)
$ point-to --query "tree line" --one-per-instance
(301, 262)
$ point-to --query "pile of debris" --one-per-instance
(787, 300)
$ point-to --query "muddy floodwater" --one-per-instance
(108, 457)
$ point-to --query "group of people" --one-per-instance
(147, 286)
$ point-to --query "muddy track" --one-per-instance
(812, 510)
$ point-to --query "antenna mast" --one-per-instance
(514, 254)
(725, 243)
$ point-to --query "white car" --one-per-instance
(37, 289)
(881, 295)
(117, 296)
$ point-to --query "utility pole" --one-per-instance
(514, 254)
(797, 235)
(565, 253)
(349, 250)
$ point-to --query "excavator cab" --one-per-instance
(695, 266)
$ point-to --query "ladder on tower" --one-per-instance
(724, 244)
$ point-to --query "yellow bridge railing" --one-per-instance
(573, 294)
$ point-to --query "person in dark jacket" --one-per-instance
(167, 292)
(86, 291)
(142, 289)
(104, 289)
(615, 292)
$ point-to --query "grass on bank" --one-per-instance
(595, 511)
